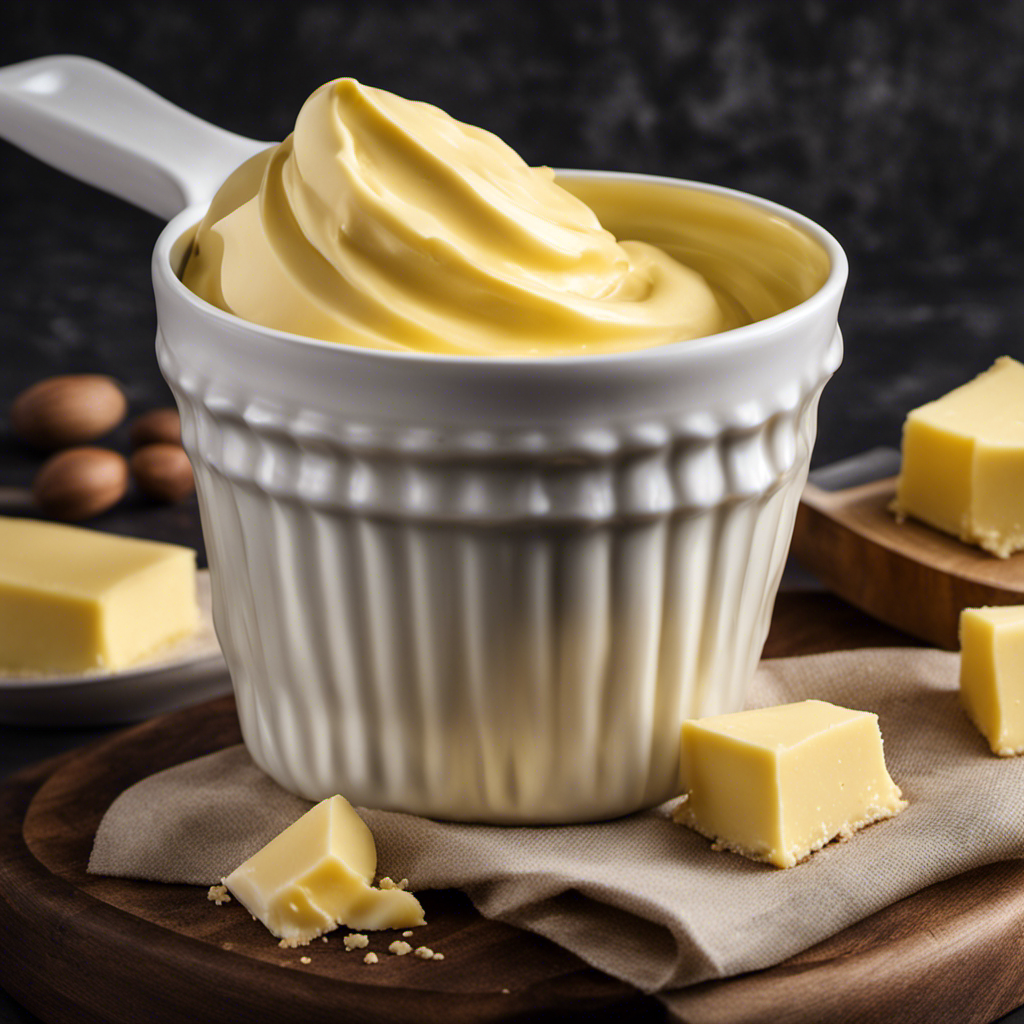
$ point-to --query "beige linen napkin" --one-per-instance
(642, 898)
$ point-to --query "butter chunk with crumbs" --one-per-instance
(75, 600)
(963, 461)
(316, 875)
(992, 674)
(776, 784)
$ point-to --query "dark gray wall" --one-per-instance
(897, 125)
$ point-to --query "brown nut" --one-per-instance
(68, 410)
(80, 483)
(158, 426)
(163, 472)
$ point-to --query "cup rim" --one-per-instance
(737, 338)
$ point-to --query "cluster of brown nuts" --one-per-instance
(63, 414)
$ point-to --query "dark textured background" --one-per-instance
(896, 125)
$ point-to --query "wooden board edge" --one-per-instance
(816, 539)
(51, 930)
(859, 510)
(937, 991)
(57, 959)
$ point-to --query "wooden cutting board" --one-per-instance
(82, 948)
(908, 575)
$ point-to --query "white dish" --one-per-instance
(481, 589)
(186, 672)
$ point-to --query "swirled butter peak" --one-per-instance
(383, 222)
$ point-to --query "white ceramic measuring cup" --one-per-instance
(484, 589)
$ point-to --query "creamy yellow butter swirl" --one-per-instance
(383, 222)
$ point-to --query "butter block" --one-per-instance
(316, 875)
(963, 461)
(75, 600)
(992, 674)
(776, 784)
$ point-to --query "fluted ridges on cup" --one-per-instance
(663, 466)
(496, 673)
(687, 476)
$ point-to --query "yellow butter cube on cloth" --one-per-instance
(777, 783)
(992, 674)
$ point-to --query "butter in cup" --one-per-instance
(384, 223)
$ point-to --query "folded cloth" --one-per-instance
(642, 898)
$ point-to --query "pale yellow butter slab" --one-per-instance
(316, 875)
(963, 461)
(76, 600)
(992, 674)
(775, 784)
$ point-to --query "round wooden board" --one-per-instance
(85, 948)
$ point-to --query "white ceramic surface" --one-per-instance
(183, 673)
(106, 129)
(490, 589)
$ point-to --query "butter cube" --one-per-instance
(74, 600)
(992, 674)
(316, 875)
(776, 784)
(963, 461)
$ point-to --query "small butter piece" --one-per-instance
(963, 461)
(776, 784)
(316, 875)
(75, 600)
(218, 894)
(992, 674)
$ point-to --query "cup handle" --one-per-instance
(92, 122)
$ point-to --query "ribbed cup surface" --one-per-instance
(481, 637)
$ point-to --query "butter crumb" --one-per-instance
(505, 992)
(218, 894)
(390, 883)
(407, 933)
(437, 956)
(370, 958)
(423, 952)
(355, 940)
(399, 948)
(305, 960)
